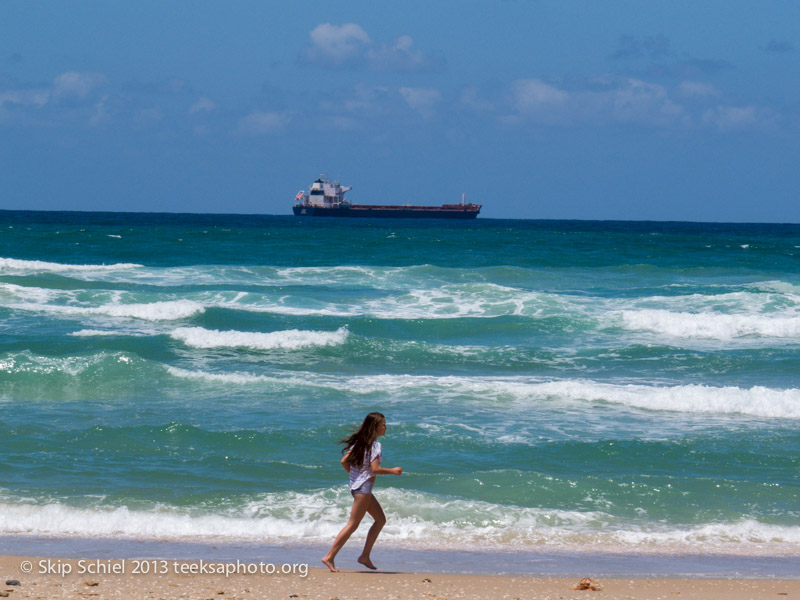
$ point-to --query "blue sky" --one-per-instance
(576, 110)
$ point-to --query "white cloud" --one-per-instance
(202, 105)
(644, 103)
(736, 118)
(365, 99)
(76, 85)
(24, 97)
(345, 109)
(697, 89)
(349, 45)
(533, 96)
(612, 100)
(471, 98)
(625, 101)
(263, 123)
(400, 56)
(69, 98)
(337, 45)
(421, 100)
(100, 115)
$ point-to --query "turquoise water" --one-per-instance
(576, 386)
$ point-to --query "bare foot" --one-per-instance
(330, 565)
(366, 562)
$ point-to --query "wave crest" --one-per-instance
(290, 339)
(711, 326)
(38, 266)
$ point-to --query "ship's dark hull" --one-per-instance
(453, 211)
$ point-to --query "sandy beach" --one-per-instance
(45, 578)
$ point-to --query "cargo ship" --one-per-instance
(326, 199)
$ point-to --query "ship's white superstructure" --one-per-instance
(324, 194)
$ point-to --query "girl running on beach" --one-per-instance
(362, 459)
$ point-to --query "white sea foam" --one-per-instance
(107, 303)
(718, 536)
(28, 363)
(757, 401)
(241, 378)
(21, 295)
(149, 311)
(127, 332)
(767, 310)
(152, 311)
(262, 276)
(712, 326)
(343, 276)
(780, 287)
(753, 311)
(93, 333)
(772, 311)
(445, 302)
(285, 305)
(417, 520)
(291, 339)
(37, 266)
(478, 300)
(338, 275)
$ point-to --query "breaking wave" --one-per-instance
(757, 401)
(418, 520)
(291, 339)
(712, 326)
(149, 311)
(12, 265)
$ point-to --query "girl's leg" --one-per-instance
(360, 504)
(376, 512)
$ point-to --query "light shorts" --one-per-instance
(365, 488)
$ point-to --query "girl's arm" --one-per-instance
(377, 469)
(345, 464)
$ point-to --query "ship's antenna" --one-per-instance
(463, 197)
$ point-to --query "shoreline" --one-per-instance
(26, 577)
(527, 563)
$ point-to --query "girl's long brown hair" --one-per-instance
(361, 440)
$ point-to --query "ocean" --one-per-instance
(564, 386)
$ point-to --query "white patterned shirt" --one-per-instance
(360, 475)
